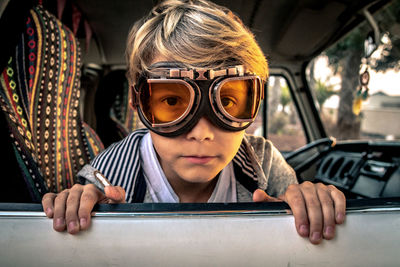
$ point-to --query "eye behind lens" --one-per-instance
(238, 98)
(165, 101)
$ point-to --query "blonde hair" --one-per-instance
(196, 33)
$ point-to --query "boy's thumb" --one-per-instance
(116, 194)
(261, 196)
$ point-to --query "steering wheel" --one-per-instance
(326, 143)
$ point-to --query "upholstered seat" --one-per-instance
(39, 96)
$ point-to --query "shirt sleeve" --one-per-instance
(280, 174)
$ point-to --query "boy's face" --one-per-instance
(198, 155)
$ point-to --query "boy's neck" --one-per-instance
(193, 192)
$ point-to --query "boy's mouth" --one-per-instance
(199, 159)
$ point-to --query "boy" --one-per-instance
(197, 78)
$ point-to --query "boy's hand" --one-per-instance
(317, 208)
(72, 207)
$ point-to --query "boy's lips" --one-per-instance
(199, 159)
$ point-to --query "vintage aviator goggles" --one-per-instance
(171, 100)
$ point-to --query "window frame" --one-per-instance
(303, 101)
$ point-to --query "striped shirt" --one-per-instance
(257, 164)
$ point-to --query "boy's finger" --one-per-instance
(90, 196)
(261, 196)
(339, 201)
(48, 204)
(328, 211)
(116, 194)
(59, 210)
(71, 213)
(295, 200)
(314, 211)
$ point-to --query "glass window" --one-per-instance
(349, 110)
(283, 126)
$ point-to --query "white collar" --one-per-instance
(160, 189)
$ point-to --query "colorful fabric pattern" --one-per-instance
(39, 92)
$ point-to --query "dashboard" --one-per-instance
(360, 174)
(361, 169)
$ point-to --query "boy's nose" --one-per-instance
(202, 131)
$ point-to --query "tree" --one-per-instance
(346, 56)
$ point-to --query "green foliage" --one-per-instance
(352, 43)
(389, 23)
(285, 96)
(345, 59)
(323, 92)
(391, 60)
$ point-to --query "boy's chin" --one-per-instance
(199, 178)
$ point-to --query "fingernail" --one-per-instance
(304, 230)
(316, 236)
(329, 231)
(60, 222)
(82, 222)
(71, 226)
(49, 211)
(340, 217)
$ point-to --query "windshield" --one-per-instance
(348, 108)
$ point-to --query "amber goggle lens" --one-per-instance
(239, 98)
(164, 102)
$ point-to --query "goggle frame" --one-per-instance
(196, 107)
